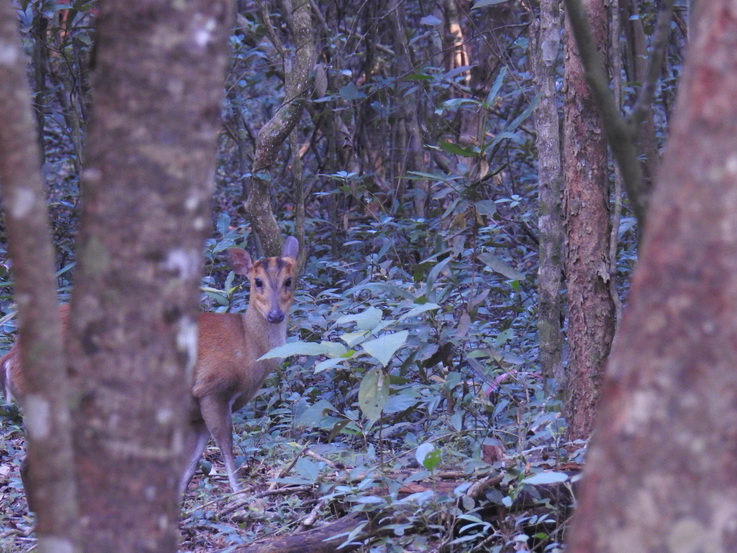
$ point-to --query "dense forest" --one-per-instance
(469, 195)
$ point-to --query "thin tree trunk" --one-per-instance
(49, 448)
(647, 141)
(660, 473)
(409, 152)
(132, 331)
(297, 70)
(550, 172)
(591, 312)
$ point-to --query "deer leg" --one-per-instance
(197, 439)
(216, 411)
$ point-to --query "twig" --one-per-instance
(310, 519)
(318, 457)
(289, 467)
(267, 493)
(620, 132)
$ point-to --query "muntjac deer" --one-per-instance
(228, 372)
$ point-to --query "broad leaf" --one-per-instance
(428, 456)
(385, 347)
(366, 320)
(495, 89)
(328, 364)
(350, 92)
(452, 148)
(499, 266)
(373, 393)
(429, 306)
(547, 477)
(354, 338)
(331, 349)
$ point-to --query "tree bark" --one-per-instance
(550, 173)
(660, 472)
(47, 417)
(621, 131)
(647, 140)
(591, 311)
(297, 71)
(132, 332)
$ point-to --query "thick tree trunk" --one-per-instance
(132, 332)
(550, 171)
(49, 450)
(591, 311)
(661, 470)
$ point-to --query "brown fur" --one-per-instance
(228, 373)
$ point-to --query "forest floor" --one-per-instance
(213, 519)
(277, 504)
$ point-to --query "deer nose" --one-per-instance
(275, 316)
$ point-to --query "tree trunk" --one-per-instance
(660, 472)
(409, 154)
(591, 311)
(647, 140)
(49, 450)
(297, 70)
(147, 187)
(550, 171)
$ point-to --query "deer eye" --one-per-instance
(259, 283)
(288, 283)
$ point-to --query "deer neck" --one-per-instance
(262, 334)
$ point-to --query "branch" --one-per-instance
(620, 132)
(298, 80)
(643, 104)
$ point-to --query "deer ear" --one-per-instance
(240, 261)
(290, 248)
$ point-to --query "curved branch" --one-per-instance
(298, 76)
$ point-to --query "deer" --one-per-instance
(228, 372)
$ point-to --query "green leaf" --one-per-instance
(328, 364)
(522, 116)
(331, 349)
(373, 393)
(223, 224)
(354, 338)
(313, 415)
(400, 402)
(384, 347)
(499, 266)
(350, 92)
(381, 287)
(368, 320)
(452, 148)
(308, 470)
(429, 306)
(546, 477)
(453, 104)
(428, 456)
(434, 272)
(485, 207)
(495, 89)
